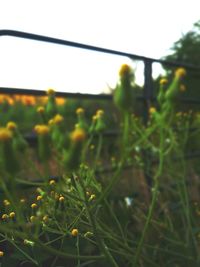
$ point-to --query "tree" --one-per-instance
(187, 50)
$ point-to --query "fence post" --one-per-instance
(147, 95)
(148, 88)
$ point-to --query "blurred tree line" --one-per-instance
(187, 50)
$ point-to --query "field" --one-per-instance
(93, 184)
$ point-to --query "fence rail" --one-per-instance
(148, 81)
(148, 95)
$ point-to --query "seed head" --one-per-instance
(74, 232)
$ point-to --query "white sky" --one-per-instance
(143, 27)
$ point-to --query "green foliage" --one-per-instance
(99, 209)
(187, 50)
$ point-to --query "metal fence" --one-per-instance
(148, 90)
(148, 80)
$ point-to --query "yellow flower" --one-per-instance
(61, 199)
(124, 70)
(50, 91)
(40, 109)
(42, 129)
(51, 122)
(60, 101)
(5, 134)
(152, 110)
(6, 202)
(79, 111)
(52, 182)
(74, 232)
(78, 135)
(1, 253)
(39, 198)
(11, 125)
(4, 216)
(180, 72)
(12, 214)
(94, 117)
(58, 119)
(32, 218)
(99, 113)
(34, 205)
(163, 81)
(45, 218)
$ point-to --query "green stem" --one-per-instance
(99, 147)
(100, 241)
(153, 201)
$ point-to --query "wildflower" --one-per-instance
(50, 92)
(124, 70)
(40, 109)
(5, 134)
(72, 156)
(61, 199)
(1, 253)
(45, 218)
(11, 125)
(94, 117)
(41, 129)
(12, 215)
(78, 135)
(100, 124)
(22, 200)
(39, 198)
(52, 182)
(99, 113)
(163, 81)
(80, 111)
(124, 96)
(32, 218)
(152, 110)
(60, 101)
(82, 123)
(74, 232)
(28, 100)
(44, 141)
(34, 205)
(6, 202)
(58, 119)
(51, 122)
(4, 216)
(180, 72)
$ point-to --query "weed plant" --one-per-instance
(131, 202)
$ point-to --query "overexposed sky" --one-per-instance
(142, 27)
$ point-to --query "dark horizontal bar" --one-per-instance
(179, 99)
(42, 38)
(36, 92)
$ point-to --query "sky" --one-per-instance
(142, 27)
